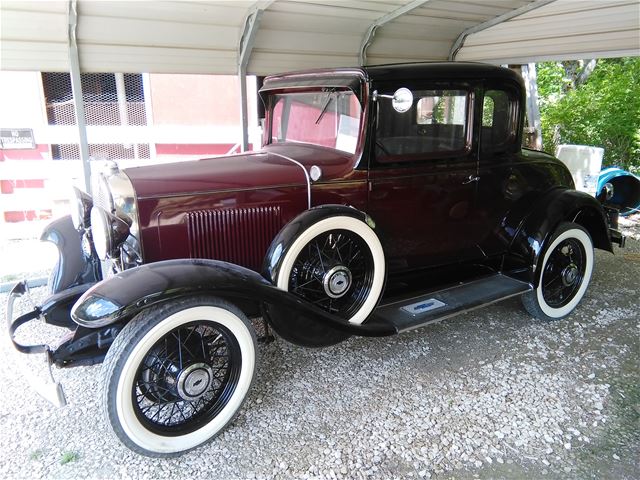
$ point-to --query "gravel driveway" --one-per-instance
(490, 394)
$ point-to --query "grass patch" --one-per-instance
(68, 457)
(36, 454)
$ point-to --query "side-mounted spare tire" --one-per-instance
(332, 258)
(177, 375)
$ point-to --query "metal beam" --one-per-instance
(367, 40)
(76, 88)
(245, 47)
(457, 45)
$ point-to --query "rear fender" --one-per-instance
(124, 295)
(557, 206)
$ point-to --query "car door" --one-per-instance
(422, 177)
(504, 182)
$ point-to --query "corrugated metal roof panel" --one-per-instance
(26, 26)
(128, 59)
(202, 37)
(563, 29)
(35, 56)
(600, 45)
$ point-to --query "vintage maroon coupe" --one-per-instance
(384, 198)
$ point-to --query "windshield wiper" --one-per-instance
(325, 106)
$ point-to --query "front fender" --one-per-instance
(73, 266)
(285, 238)
(557, 206)
(626, 189)
(122, 296)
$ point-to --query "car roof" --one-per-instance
(444, 70)
(390, 72)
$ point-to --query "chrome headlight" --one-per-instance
(114, 193)
(109, 231)
(81, 209)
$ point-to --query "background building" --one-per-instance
(133, 119)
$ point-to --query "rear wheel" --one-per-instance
(177, 374)
(566, 268)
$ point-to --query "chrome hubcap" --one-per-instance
(337, 281)
(570, 275)
(194, 381)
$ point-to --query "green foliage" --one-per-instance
(36, 454)
(551, 82)
(604, 111)
(68, 457)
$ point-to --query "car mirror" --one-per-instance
(402, 100)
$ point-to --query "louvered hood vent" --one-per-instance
(240, 235)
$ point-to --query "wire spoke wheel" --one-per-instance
(186, 377)
(563, 273)
(177, 374)
(334, 271)
(566, 265)
(335, 263)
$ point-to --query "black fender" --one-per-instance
(73, 267)
(124, 295)
(556, 206)
(295, 328)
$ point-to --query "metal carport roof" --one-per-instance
(267, 36)
(204, 37)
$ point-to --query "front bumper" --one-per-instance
(46, 386)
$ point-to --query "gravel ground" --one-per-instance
(490, 394)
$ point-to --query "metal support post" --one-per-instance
(244, 53)
(244, 113)
(121, 92)
(76, 88)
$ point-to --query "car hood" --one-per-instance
(227, 173)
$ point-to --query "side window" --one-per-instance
(497, 122)
(435, 126)
(488, 108)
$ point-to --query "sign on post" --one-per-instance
(16, 139)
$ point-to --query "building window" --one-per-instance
(107, 100)
(108, 151)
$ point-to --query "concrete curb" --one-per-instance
(32, 283)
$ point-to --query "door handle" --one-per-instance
(471, 178)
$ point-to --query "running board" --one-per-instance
(434, 306)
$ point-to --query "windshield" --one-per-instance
(328, 118)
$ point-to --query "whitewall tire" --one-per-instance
(338, 264)
(566, 266)
(178, 374)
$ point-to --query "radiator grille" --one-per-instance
(241, 236)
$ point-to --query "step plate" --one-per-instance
(433, 306)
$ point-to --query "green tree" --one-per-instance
(599, 107)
